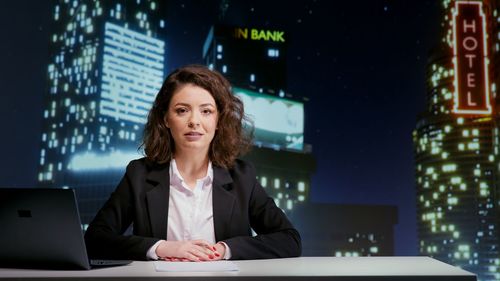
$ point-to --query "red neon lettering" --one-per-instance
(471, 25)
(470, 47)
(470, 59)
(470, 80)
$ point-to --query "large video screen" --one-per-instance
(278, 122)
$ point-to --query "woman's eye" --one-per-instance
(206, 111)
(180, 110)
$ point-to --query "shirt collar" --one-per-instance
(177, 179)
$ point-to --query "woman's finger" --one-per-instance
(191, 257)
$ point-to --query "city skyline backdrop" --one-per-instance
(362, 74)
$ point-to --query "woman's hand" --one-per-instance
(193, 250)
(220, 249)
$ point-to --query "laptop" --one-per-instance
(41, 228)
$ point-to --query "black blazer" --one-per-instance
(239, 204)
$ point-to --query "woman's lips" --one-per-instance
(193, 136)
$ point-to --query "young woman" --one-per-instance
(190, 198)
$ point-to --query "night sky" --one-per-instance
(360, 64)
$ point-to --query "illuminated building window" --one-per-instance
(452, 201)
(252, 77)
(219, 48)
(449, 168)
(263, 181)
(224, 69)
(301, 186)
(473, 145)
(273, 53)
(276, 183)
(460, 120)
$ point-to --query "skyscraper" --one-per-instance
(456, 143)
(106, 66)
(250, 58)
(254, 61)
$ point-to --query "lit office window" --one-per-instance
(301, 186)
(276, 183)
(263, 181)
(273, 53)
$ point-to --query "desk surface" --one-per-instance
(360, 268)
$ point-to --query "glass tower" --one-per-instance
(456, 143)
(106, 66)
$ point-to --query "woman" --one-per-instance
(190, 199)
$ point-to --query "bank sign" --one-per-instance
(472, 94)
(255, 34)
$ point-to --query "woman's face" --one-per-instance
(192, 118)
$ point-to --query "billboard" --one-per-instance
(278, 122)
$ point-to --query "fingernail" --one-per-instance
(217, 254)
(214, 248)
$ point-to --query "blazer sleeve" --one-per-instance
(105, 237)
(276, 236)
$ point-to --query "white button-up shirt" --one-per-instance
(190, 211)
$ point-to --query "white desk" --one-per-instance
(303, 268)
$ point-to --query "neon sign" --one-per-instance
(258, 34)
(470, 60)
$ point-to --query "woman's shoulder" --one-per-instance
(241, 166)
(143, 165)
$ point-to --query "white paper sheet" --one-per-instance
(206, 266)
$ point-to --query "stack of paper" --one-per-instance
(207, 266)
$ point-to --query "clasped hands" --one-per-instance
(192, 250)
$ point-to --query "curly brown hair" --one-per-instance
(231, 139)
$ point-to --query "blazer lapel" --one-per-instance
(157, 200)
(223, 202)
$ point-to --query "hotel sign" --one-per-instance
(470, 59)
